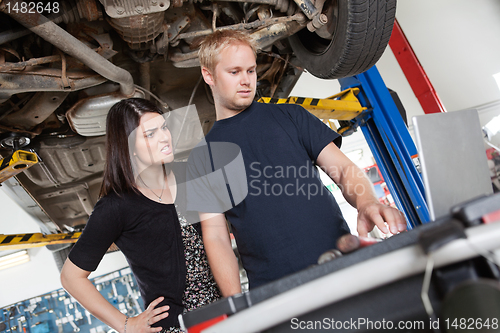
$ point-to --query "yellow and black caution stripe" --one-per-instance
(15, 163)
(342, 106)
(24, 241)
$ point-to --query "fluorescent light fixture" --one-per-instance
(14, 259)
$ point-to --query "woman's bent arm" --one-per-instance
(75, 281)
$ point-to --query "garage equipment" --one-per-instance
(15, 163)
(59, 312)
(367, 286)
(24, 241)
(391, 144)
(19, 160)
(342, 106)
(414, 72)
(454, 166)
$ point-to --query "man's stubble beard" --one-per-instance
(232, 105)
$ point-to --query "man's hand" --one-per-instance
(377, 214)
(358, 191)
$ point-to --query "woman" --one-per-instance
(137, 212)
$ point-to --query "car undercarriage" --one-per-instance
(60, 72)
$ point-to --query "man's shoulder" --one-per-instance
(273, 104)
(281, 109)
(260, 115)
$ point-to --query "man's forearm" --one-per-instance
(224, 267)
(220, 253)
(357, 188)
(354, 184)
(359, 192)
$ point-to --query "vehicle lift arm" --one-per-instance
(343, 106)
(24, 241)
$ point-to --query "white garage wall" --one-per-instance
(458, 44)
(40, 275)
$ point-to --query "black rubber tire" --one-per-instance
(361, 31)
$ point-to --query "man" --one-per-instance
(288, 218)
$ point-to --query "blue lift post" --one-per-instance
(390, 143)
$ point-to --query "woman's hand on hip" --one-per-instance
(142, 323)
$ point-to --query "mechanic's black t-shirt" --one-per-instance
(149, 235)
(288, 217)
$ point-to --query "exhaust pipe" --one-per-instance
(67, 43)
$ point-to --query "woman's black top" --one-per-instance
(149, 235)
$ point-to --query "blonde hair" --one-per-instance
(216, 42)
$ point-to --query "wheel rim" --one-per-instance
(319, 42)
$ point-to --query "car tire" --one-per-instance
(354, 38)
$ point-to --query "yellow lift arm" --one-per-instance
(342, 106)
(24, 241)
(15, 163)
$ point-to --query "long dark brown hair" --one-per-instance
(122, 120)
